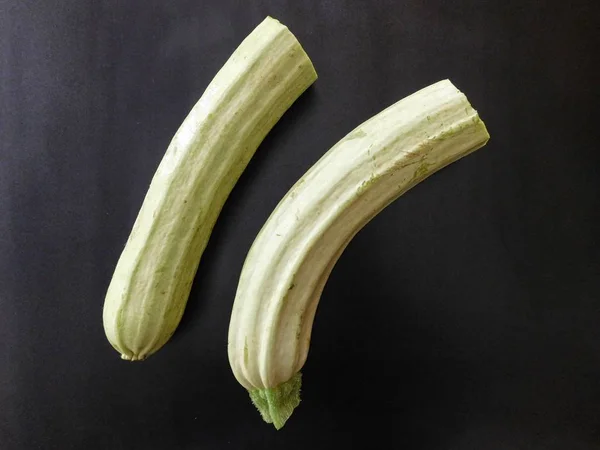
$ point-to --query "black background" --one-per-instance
(465, 316)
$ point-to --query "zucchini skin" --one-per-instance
(291, 258)
(152, 280)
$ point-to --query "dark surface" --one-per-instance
(465, 316)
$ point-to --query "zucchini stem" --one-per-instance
(277, 404)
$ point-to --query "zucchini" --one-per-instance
(151, 283)
(291, 258)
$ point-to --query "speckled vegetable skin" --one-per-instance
(152, 280)
(291, 259)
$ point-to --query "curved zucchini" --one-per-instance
(153, 277)
(292, 256)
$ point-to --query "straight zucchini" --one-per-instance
(150, 287)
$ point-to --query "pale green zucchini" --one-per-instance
(292, 256)
(153, 276)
